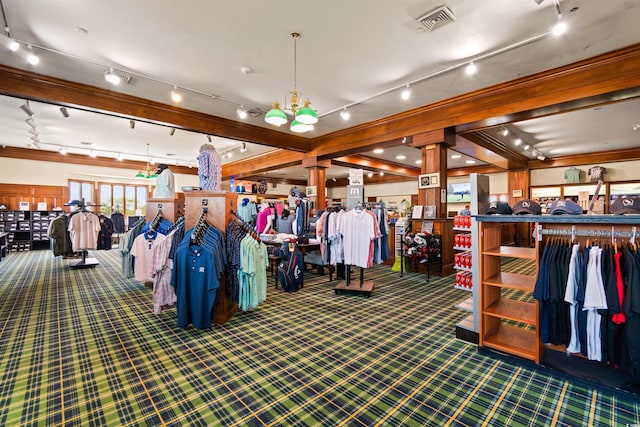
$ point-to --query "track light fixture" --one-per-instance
(176, 96)
(406, 93)
(242, 112)
(64, 112)
(305, 117)
(32, 58)
(27, 108)
(209, 138)
(471, 69)
(112, 77)
(172, 131)
(132, 124)
(35, 142)
(243, 147)
(30, 122)
(34, 132)
(504, 131)
(10, 43)
(560, 27)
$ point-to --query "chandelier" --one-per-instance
(147, 171)
(305, 117)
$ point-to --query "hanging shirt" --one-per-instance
(196, 282)
(357, 234)
(594, 300)
(84, 228)
(143, 250)
(570, 296)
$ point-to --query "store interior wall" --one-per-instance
(615, 171)
(32, 172)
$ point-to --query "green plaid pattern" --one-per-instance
(83, 347)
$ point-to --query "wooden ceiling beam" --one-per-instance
(25, 84)
(81, 159)
(276, 159)
(615, 72)
(359, 162)
(585, 159)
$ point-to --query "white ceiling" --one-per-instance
(351, 53)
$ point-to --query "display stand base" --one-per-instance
(84, 263)
(365, 289)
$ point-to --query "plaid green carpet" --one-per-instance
(83, 347)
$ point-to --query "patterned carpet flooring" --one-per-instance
(83, 347)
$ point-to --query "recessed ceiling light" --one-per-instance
(378, 151)
(470, 162)
(455, 156)
(401, 157)
(517, 141)
(418, 162)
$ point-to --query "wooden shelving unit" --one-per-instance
(508, 320)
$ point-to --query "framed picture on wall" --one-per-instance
(429, 180)
(429, 212)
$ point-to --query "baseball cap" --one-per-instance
(527, 207)
(565, 207)
(625, 205)
(499, 208)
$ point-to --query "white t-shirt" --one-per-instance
(358, 231)
(83, 230)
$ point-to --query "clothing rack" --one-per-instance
(156, 220)
(364, 288)
(200, 228)
(84, 262)
(573, 232)
(246, 227)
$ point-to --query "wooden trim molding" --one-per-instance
(21, 83)
(79, 159)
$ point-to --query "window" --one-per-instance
(124, 198)
(79, 190)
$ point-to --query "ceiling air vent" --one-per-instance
(436, 18)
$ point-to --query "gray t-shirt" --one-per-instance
(285, 225)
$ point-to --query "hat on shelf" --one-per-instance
(625, 205)
(499, 208)
(565, 207)
(527, 207)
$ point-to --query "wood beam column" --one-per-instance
(518, 188)
(317, 177)
(433, 146)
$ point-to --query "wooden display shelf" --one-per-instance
(510, 309)
(512, 252)
(520, 282)
(466, 305)
(513, 340)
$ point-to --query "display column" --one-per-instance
(317, 177)
(433, 146)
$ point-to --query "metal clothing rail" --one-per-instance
(573, 232)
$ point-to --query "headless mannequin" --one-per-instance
(165, 184)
